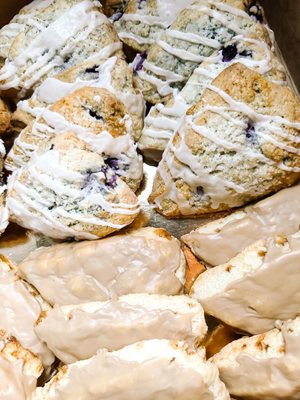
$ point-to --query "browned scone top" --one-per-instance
(5, 116)
(240, 142)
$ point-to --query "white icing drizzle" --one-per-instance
(193, 38)
(47, 171)
(80, 19)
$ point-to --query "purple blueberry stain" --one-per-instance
(113, 163)
(139, 61)
(229, 53)
(250, 132)
(115, 17)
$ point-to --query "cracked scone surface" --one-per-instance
(19, 369)
(46, 46)
(107, 268)
(98, 118)
(69, 191)
(265, 366)
(232, 147)
(164, 120)
(149, 370)
(112, 74)
(200, 30)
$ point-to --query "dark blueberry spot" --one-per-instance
(113, 163)
(67, 59)
(51, 147)
(110, 176)
(200, 191)
(256, 11)
(115, 17)
(94, 114)
(139, 61)
(246, 53)
(92, 70)
(229, 52)
(250, 133)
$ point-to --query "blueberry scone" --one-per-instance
(143, 21)
(18, 24)
(69, 191)
(60, 36)
(200, 30)
(77, 332)
(265, 366)
(257, 287)
(112, 74)
(220, 240)
(146, 260)
(240, 142)
(20, 308)
(98, 118)
(164, 120)
(19, 369)
(147, 370)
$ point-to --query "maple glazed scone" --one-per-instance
(45, 47)
(148, 370)
(76, 333)
(143, 21)
(20, 308)
(69, 191)
(232, 147)
(146, 260)
(200, 29)
(98, 118)
(19, 369)
(112, 74)
(220, 240)
(256, 288)
(164, 120)
(265, 366)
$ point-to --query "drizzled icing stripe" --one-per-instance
(193, 38)
(43, 50)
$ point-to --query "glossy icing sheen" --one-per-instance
(264, 373)
(278, 214)
(14, 383)
(19, 311)
(140, 262)
(47, 50)
(151, 370)
(76, 332)
(266, 292)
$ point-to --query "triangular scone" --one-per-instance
(143, 21)
(200, 30)
(76, 333)
(240, 142)
(146, 260)
(69, 191)
(263, 367)
(10, 31)
(256, 288)
(60, 36)
(20, 308)
(149, 370)
(98, 118)
(164, 120)
(220, 240)
(19, 369)
(113, 74)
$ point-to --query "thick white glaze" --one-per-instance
(19, 312)
(263, 367)
(216, 243)
(140, 262)
(263, 289)
(150, 370)
(76, 333)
